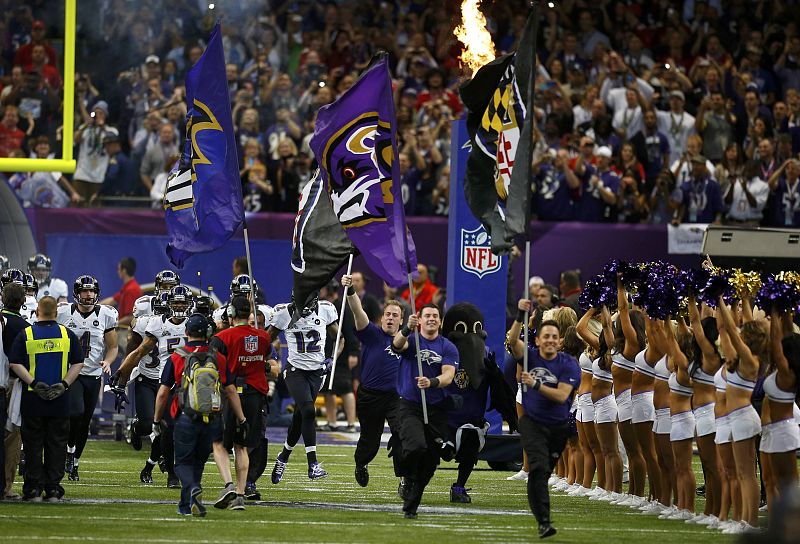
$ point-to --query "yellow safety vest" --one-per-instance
(47, 346)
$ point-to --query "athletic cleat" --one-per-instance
(134, 438)
(68, 464)
(277, 470)
(237, 503)
(362, 475)
(226, 497)
(545, 530)
(519, 476)
(316, 472)
(146, 475)
(173, 482)
(251, 493)
(459, 494)
(196, 501)
(73, 474)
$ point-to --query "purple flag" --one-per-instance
(356, 147)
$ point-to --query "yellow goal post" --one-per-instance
(65, 164)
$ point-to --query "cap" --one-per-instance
(699, 159)
(152, 58)
(38, 24)
(110, 138)
(410, 90)
(677, 94)
(535, 280)
(197, 326)
(603, 151)
(101, 105)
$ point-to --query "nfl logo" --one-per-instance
(251, 344)
(476, 252)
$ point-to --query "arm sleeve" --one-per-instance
(112, 317)
(168, 374)
(75, 350)
(280, 317)
(450, 354)
(217, 344)
(153, 327)
(18, 354)
(225, 375)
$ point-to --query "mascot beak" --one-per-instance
(471, 351)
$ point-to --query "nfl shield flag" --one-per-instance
(500, 102)
(355, 145)
(203, 199)
(476, 252)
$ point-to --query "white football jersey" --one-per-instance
(170, 336)
(28, 309)
(90, 329)
(150, 364)
(143, 306)
(306, 338)
(55, 288)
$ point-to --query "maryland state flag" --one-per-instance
(499, 98)
(355, 146)
(203, 199)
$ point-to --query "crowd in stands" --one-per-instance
(647, 111)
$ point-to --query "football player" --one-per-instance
(31, 287)
(96, 327)
(5, 263)
(241, 285)
(162, 336)
(41, 267)
(146, 377)
(304, 374)
(165, 280)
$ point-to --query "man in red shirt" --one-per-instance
(424, 289)
(39, 63)
(125, 298)
(24, 54)
(11, 137)
(193, 437)
(248, 352)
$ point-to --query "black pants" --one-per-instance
(420, 445)
(193, 440)
(253, 407)
(466, 454)
(44, 440)
(543, 444)
(373, 408)
(3, 416)
(304, 386)
(83, 395)
(259, 454)
(145, 391)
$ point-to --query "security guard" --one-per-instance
(48, 358)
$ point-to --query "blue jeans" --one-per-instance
(193, 440)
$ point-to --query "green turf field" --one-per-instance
(110, 505)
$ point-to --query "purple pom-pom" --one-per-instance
(778, 295)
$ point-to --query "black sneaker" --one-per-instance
(404, 488)
(459, 494)
(173, 482)
(162, 465)
(362, 475)
(33, 496)
(134, 438)
(146, 475)
(196, 502)
(251, 493)
(545, 530)
(410, 515)
(68, 464)
(72, 475)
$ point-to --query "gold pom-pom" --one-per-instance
(746, 284)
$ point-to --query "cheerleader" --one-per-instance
(751, 348)
(780, 436)
(587, 437)
(629, 338)
(702, 371)
(679, 351)
(662, 424)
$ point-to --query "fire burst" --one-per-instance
(472, 32)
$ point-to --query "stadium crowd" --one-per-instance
(647, 111)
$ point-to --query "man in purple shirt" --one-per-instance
(702, 197)
(598, 193)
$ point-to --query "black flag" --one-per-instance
(320, 246)
(499, 98)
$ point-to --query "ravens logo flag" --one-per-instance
(355, 202)
(499, 99)
(203, 199)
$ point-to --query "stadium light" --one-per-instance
(66, 164)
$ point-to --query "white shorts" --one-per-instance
(682, 426)
(643, 409)
(519, 393)
(624, 406)
(780, 437)
(723, 435)
(705, 422)
(662, 423)
(605, 410)
(745, 423)
(585, 409)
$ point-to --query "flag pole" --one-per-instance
(341, 322)
(419, 356)
(527, 312)
(250, 275)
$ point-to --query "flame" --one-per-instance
(479, 48)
